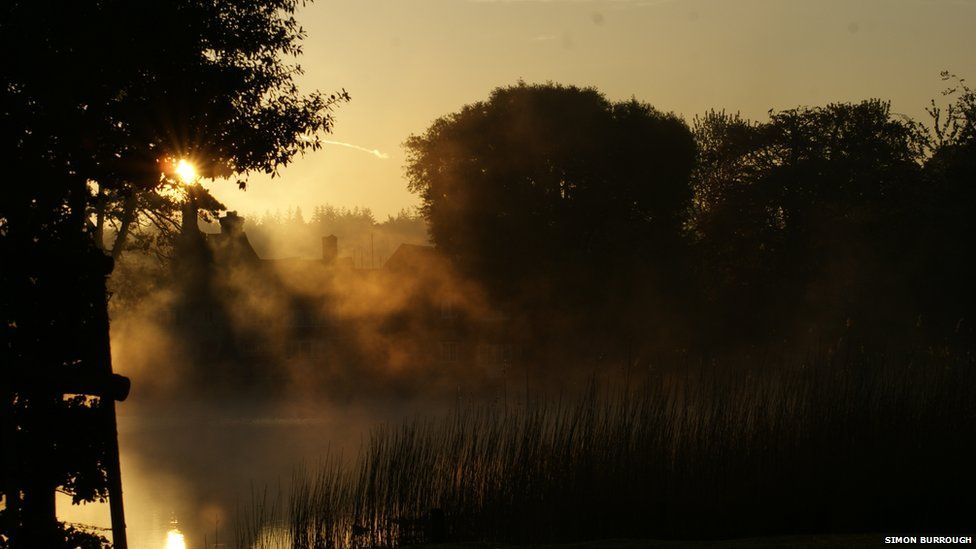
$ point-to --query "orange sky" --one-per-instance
(406, 62)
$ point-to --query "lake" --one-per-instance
(189, 466)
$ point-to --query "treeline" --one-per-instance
(362, 238)
(635, 227)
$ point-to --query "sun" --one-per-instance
(185, 171)
(175, 540)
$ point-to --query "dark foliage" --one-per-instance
(800, 227)
(96, 98)
(550, 194)
(805, 218)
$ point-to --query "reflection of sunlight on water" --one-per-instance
(174, 539)
(175, 462)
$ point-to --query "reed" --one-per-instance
(826, 444)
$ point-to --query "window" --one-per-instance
(450, 351)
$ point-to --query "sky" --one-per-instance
(408, 62)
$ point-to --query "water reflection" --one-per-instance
(205, 463)
(175, 540)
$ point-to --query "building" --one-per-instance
(246, 321)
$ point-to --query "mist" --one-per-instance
(721, 303)
(662, 272)
(268, 361)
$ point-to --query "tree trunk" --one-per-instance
(128, 216)
(40, 528)
(106, 405)
(100, 220)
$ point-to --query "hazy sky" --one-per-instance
(406, 62)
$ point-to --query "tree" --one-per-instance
(805, 212)
(947, 212)
(128, 100)
(97, 100)
(554, 194)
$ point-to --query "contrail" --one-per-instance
(374, 152)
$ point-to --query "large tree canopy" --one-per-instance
(555, 186)
(110, 93)
(949, 231)
(811, 216)
(97, 100)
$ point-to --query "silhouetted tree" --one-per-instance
(96, 100)
(947, 231)
(213, 88)
(555, 195)
(811, 211)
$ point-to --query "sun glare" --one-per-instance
(174, 539)
(185, 171)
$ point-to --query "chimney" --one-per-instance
(330, 248)
(232, 224)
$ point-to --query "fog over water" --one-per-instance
(629, 270)
(197, 462)
(284, 364)
(279, 366)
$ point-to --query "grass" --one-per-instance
(840, 443)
